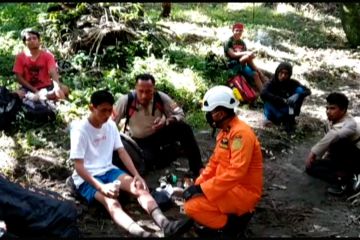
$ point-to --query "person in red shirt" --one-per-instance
(36, 69)
(241, 60)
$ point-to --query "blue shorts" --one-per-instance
(87, 191)
(247, 71)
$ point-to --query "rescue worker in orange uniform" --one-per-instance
(231, 184)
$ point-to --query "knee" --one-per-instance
(191, 208)
(65, 89)
(182, 127)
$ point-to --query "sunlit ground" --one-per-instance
(307, 59)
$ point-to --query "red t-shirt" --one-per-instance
(36, 72)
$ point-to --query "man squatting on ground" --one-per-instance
(150, 131)
(231, 184)
(338, 152)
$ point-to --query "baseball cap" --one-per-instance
(238, 26)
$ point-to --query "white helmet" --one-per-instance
(219, 96)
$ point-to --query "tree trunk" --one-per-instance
(350, 19)
(166, 9)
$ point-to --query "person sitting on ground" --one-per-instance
(36, 70)
(231, 184)
(152, 125)
(93, 140)
(335, 157)
(241, 60)
(283, 98)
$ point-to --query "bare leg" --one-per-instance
(148, 203)
(120, 217)
(262, 77)
(258, 82)
(52, 96)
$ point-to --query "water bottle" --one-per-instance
(291, 111)
(171, 178)
(117, 184)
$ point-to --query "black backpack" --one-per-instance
(36, 213)
(131, 106)
(39, 112)
(10, 104)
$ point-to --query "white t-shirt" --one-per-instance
(94, 145)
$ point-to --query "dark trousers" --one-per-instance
(341, 164)
(155, 146)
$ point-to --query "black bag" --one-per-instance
(39, 112)
(10, 104)
(135, 153)
(38, 213)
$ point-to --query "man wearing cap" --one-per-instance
(36, 69)
(230, 186)
(240, 59)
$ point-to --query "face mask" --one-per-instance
(212, 123)
(210, 120)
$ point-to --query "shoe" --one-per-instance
(178, 227)
(206, 233)
(267, 123)
(236, 226)
(290, 126)
(338, 189)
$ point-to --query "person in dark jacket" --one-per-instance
(283, 97)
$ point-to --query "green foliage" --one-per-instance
(17, 16)
(32, 140)
(197, 120)
(350, 18)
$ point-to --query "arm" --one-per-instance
(21, 80)
(126, 159)
(240, 160)
(54, 75)
(230, 52)
(128, 163)
(244, 56)
(268, 94)
(209, 170)
(310, 159)
(119, 109)
(172, 110)
(299, 88)
(346, 130)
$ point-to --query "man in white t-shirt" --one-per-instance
(93, 141)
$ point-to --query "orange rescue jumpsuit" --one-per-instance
(232, 180)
